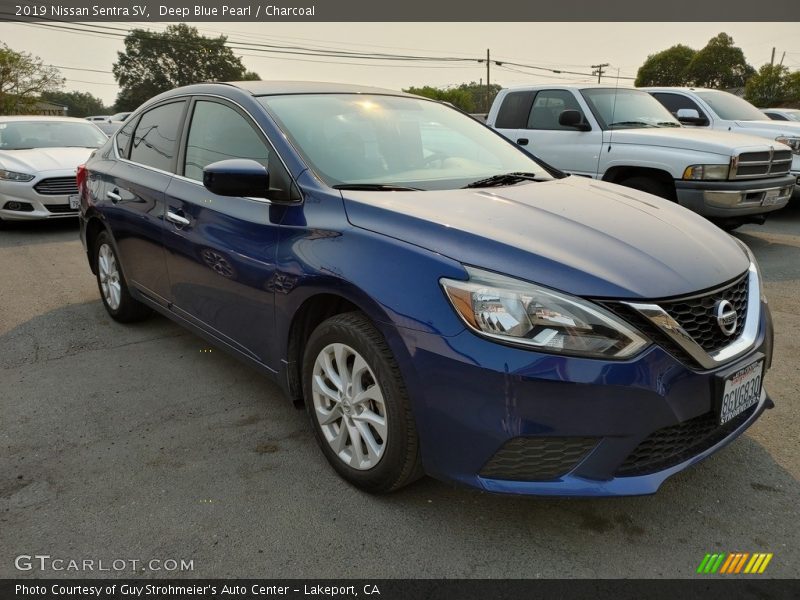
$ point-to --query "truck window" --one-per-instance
(547, 107)
(514, 111)
(674, 102)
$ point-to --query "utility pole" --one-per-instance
(772, 60)
(598, 70)
(488, 85)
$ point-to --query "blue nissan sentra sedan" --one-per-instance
(441, 301)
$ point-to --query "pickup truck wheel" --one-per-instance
(650, 185)
(358, 405)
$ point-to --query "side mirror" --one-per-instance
(237, 177)
(573, 118)
(691, 116)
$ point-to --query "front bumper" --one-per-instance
(471, 397)
(736, 198)
(35, 206)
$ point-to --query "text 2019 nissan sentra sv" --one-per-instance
(442, 302)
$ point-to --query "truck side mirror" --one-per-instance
(691, 116)
(573, 118)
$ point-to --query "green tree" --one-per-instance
(477, 92)
(23, 78)
(768, 87)
(79, 104)
(668, 67)
(455, 96)
(719, 65)
(156, 62)
(792, 85)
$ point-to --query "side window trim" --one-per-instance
(127, 153)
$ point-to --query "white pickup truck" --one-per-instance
(625, 136)
(715, 109)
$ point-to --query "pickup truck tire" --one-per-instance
(650, 185)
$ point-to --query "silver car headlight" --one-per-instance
(14, 176)
(521, 313)
(792, 142)
(698, 172)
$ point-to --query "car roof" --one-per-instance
(571, 85)
(681, 88)
(6, 119)
(270, 88)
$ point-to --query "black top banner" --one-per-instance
(405, 11)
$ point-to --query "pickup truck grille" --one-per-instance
(752, 165)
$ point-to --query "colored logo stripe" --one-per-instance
(734, 563)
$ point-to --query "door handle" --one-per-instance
(114, 196)
(522, 141)
(177, 219)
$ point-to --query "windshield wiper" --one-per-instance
(642, 123)
(504, 179)
(376, 187)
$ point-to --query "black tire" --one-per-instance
(129, 310)
(729, 225)
(400, 462)
(651, 186)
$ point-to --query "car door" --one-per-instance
(221, 250)
(512, 115)
(134, 204)
(568, 148)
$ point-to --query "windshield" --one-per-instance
(792, 115)
(352, 139)
(623, 108)
(25, 135)
(730, 107)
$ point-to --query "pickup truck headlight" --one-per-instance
(14, 176)
(524, 314)
(707, 172)
(792, 142)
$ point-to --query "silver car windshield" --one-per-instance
(625, 108)
(370, 139)
(26, 135)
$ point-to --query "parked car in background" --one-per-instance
(442, 301)
(94, 118)
(39, 157)
(715, 109)
(782, 114)
(109, 127)
(624, 136)
(120, 116)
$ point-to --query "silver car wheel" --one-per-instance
(108, 272)
(349, 406)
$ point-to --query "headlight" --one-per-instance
(792, 142)
(14, 176)
(706, 172)
(522, 313)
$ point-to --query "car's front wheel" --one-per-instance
(113, 289)
(358, 405)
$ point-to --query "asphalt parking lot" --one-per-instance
(141, 442)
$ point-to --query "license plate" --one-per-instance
(742, 390)
(74, 202)
(771, 197)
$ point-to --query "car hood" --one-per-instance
(43, 159)
(684, 138)
(771, 128)
(585, 237)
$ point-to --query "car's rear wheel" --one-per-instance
(113, 289)
(358, 405)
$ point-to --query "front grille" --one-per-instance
(672, 445)
(696, 315)
(752, 165)
(57, 186)
(60, 208)
(537, 459)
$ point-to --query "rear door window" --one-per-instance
(514, 111)
(155, 140)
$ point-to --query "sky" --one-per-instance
(559, 46)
